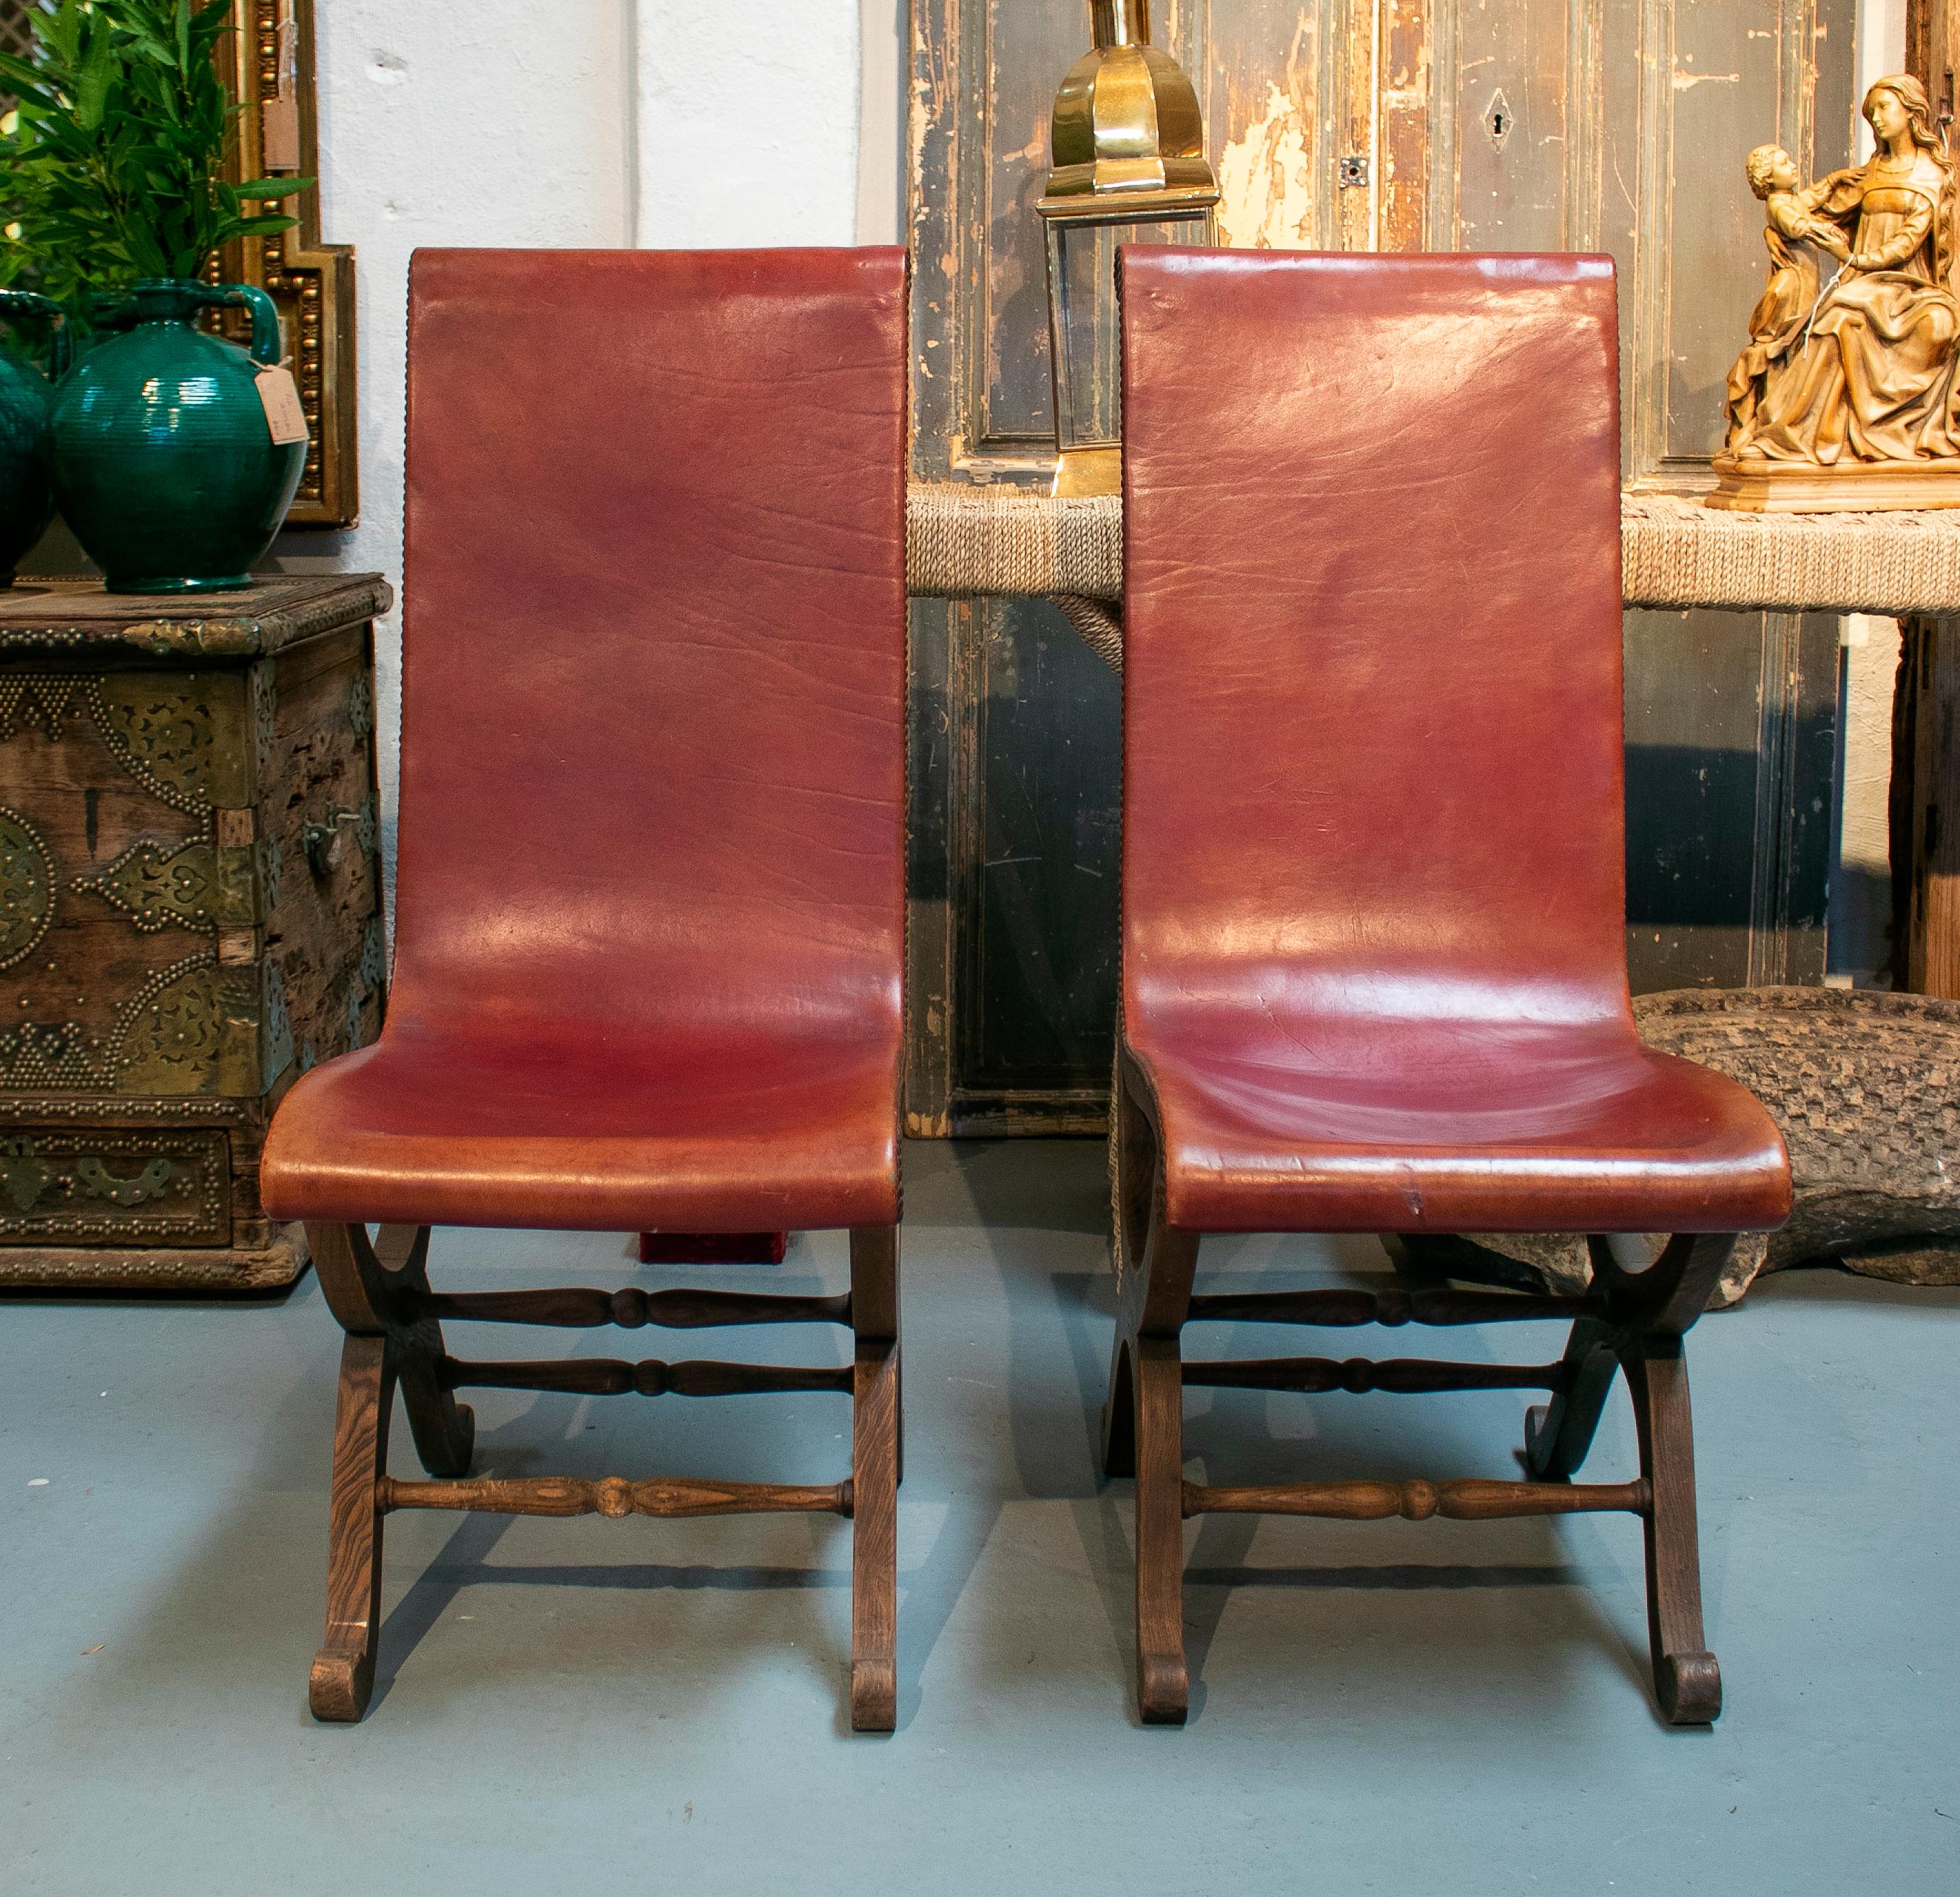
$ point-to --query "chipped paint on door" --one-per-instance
(1267, 199)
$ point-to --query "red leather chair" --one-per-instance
(1374, 971)
(650, 934)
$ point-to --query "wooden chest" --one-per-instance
(190, 914)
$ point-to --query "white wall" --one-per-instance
(587, 123)
(748, 123)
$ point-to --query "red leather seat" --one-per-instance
(650, 933)
(603, 1128)
(1374, 908)
(651, 924)
(1374, 959)
(1368, 1125)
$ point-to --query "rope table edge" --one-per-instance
(979, 541)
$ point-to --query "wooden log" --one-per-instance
(1417, 1501)
(615, 1497)
(1393, 1309)
(1403, 1376)
(570, 1307)
(609, 1377)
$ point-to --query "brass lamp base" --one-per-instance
(1082, 472)
(1854, 487)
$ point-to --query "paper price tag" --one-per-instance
(279, 394)
(279, 134)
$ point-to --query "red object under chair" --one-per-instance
(651, 915)
(1373, 954)
(713, 1248)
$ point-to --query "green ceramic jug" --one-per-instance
(27, 407)
(164, 463)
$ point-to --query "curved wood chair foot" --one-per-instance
(1558, 1434)
(874, 1695)
(1163, 1689)
(1689, 1688)
(446, 1443)
(342, 1685)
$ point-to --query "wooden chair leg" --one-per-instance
(1688, 1682)
(375, 1287)
(1133, 1185)
(874, 1547)
(1143, 1421)
(1163, 1685)
(343, 1669)
(874, 1477)
(445, 1429)
(1558, 1434)
(379, 1293)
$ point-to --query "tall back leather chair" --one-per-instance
(1374, 973)
(651, 922)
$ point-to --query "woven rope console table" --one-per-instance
(973, 540)
(968, 540)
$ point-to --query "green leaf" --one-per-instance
(26, 81)
(98, 73)
(125, 129)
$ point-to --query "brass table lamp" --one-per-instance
(1128, 143)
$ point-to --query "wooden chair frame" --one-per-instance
(380, 1291)
(1632, 1320)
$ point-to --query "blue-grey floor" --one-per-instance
(587, 1705)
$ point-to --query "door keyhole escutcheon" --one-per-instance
(1499, 119)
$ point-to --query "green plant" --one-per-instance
(115, 170)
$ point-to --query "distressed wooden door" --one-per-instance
(1617, 125)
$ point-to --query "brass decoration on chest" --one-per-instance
(1847, 395)
(194, 885)
(158, 1187)
(27, 887)
(1128, 143)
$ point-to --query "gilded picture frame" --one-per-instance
(268, 60)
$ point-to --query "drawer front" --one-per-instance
(64, 1185)
(130, 883)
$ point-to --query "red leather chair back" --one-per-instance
(654, 674)
(1372, 677)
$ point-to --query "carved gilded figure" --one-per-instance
(1846, 397)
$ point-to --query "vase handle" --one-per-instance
(25, 303)
(265, 314)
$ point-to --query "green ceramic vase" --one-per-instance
(27, 410)
(164, 463)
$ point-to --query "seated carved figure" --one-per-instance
(1784, 307)
(1846, 398)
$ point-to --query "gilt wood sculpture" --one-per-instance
(1375, 980)
(1847, 394)
(650, 937)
